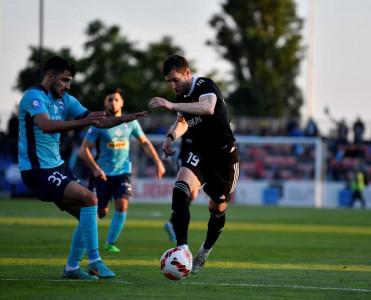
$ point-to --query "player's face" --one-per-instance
(60, 84)
(179, 82)
(113, 104)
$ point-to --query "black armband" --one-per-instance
(171, 136)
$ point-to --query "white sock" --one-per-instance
(205, 251)
(184, 247)
(94, 260)
(68, 268)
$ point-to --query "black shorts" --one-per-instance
(219, 172)
(49, 184)
(116, 186)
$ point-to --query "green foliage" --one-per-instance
(110, 60)
(261, 39)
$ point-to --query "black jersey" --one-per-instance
(209, 133)
(185, 145)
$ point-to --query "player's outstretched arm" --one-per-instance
(53, 126)
(114, 121)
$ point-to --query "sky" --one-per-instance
(334, 73)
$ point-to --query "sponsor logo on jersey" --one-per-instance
(194, 121)
(117, 144)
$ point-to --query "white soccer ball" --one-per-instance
(176, 263)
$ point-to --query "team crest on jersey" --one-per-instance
(36, 103)
(118, 132)
(55, 108)
(117, 144)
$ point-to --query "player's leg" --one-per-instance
(76, 195)
(121, 191)
(168, 226)
(219, 187)
(117, 224)
(185, 182)
(72, 269)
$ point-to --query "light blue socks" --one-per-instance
(89, 230)
(117, 224)
(77, 250)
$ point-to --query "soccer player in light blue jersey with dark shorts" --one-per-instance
(44, 111)
(112, 166)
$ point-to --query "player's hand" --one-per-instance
(167, 147)
(134, 116)
(160, 102)
(99, 174)
(166, 159)
(160, 170)
(94, 117)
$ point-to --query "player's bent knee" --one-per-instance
(90, 199)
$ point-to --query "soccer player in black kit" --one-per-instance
(212, 160)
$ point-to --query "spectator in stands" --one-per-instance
(358, 130)
(311, 129)
(342, 131)
(293, 127)
(358, 184)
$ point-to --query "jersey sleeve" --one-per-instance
(75, 109)
(34, 102)
(204, 86)
(92, 134)
(137, 129)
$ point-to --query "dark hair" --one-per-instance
(174, 62)
(113, 91)
(59, 65)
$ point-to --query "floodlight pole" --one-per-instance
(310, 67)
(41, 36)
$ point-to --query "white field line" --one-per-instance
(320, 288)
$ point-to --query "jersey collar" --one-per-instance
(195, 78)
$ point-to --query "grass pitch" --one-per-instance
(263, 253)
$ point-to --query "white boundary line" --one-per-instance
(199, 283)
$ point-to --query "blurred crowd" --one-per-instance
(344, 156)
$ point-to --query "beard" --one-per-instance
(55, 92)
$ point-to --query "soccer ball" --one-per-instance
(176, 263)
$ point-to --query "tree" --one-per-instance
(110, 60)
(30, 75)
(261, 39)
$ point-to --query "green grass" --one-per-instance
(263, 253)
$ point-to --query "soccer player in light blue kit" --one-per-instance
(112, 166)
(43, 113)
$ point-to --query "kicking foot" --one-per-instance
(200, 260)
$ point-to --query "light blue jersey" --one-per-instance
(113, 146)
(37, 149)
